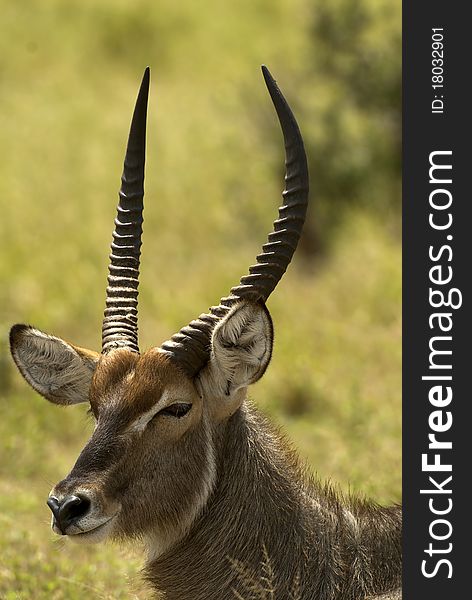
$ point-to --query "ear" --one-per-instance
(241, 348)
(59, 371)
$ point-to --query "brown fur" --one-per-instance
(217, 496)
(265, 510)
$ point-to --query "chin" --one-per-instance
(95, 536)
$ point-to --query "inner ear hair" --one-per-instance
(242, 345)
(59, 371)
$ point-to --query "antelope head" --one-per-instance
(150, 464)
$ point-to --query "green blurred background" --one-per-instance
(69, 74)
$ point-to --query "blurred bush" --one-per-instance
(352, 86)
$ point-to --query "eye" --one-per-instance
(178, 409)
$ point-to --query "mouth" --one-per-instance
(93, 534)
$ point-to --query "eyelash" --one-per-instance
(178, 410)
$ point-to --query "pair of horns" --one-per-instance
(190, 347)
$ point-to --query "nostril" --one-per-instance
(54, 505)
(72, 508)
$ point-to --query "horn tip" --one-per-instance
(267, 75)
(146, 78)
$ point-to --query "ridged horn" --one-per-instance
(120, 322)
(190, 347)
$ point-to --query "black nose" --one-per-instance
(68, 510)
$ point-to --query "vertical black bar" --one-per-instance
(437, 246)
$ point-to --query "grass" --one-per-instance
(70, 75)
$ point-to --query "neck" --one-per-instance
(266, 527)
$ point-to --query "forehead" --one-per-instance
(132, 384)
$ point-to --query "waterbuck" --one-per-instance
(179, 459)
